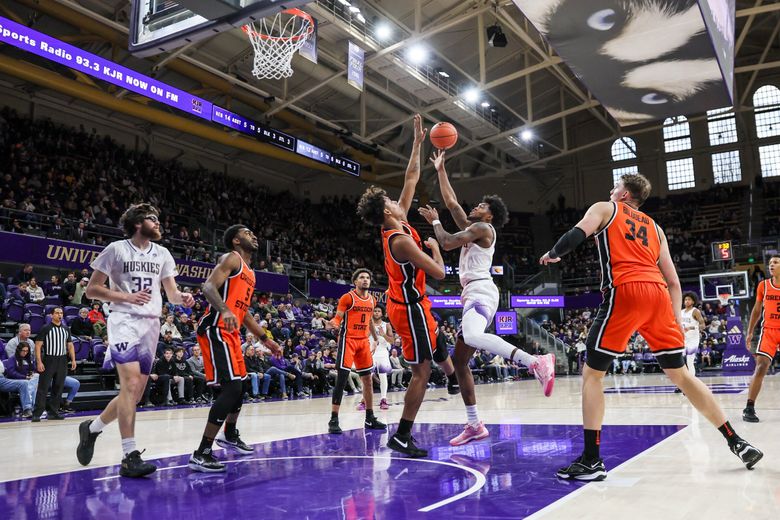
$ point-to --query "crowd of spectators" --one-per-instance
(691, 222)
(573, 332)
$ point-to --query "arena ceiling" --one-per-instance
(526, 85)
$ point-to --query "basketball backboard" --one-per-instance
(163, 25)
(735, 283)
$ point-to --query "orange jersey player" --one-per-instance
(641, 293)
(767, 307)
(408, 307)
(353, 319)
(228, 289)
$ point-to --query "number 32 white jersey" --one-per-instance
(131, 270)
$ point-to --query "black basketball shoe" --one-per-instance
(746, 453)
(372, 423)
(133, 466)
(749, 414)
(233, 442)
(86, 445)
(205, 462)
(333, 426)
(405, 444)
(581, 470)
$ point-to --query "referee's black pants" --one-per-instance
(55, 369)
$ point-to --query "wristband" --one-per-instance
(437, 221)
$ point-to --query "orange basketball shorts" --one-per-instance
(355, 352)
(223, 360)
(417, 328)
(643, 307)
(768, 342)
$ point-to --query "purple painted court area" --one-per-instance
(352, 476)
(717, 388)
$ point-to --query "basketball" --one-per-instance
(444, 136)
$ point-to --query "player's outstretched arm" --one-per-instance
(595, 219)
(413, 168)
(666, 264)
(227, 264)
(447, 193)
(97, 290)
(405, 250)
(448, 242)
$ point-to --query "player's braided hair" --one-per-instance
(371, 206)
(497, 209)
(136, 214)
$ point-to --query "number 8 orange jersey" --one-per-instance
(629, 248)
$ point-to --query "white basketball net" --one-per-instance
(724, 298)
(276, 40)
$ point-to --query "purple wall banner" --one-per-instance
(355, 58)
(736, 357)
(506, 323)
(49, 252)
(531, 301)
(80, 60)
(440, 301)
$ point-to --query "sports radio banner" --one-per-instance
(49, 252)
(355, 59)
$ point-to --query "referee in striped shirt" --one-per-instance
(52, 349)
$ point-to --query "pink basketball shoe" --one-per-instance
(470, 433)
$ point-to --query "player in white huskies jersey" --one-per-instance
(135, 268)
(477, 240)
(693, 323)
(380, 350)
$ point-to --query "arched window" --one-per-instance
(766, 101)
(677, 138)
(623, 149)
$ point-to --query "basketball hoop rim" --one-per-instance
(724, 298)
(295, 12)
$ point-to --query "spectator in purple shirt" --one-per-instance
(18, 374)
(279, 362)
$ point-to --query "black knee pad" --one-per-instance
(228, 401)
(338, 390)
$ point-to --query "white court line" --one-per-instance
(558, 503)
(480, 478)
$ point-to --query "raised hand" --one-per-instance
(438, 160)
(419, 131)
(547, 260)
(431, 244)
(429, 214)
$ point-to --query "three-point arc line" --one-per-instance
(478, 484)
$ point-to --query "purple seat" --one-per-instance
(71, 310)
(15, 312)
(48, 319)
(11, 287)
(49, 309)
(3, 355)
(82, 349)
(53, 301)
(33, 308)
(99, 354)
(36, 322)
